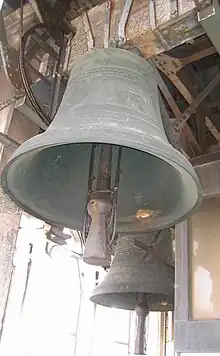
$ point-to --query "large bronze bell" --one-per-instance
(111, 98)
(140, 265)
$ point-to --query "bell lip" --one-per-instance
(95, 299)
(52, 141)
(98, 262)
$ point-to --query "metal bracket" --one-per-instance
(171, 66)
(123, 21)
(107, 24)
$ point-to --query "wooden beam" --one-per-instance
(151, 30)
(199, 55)
(150, 37)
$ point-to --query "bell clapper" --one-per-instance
(99, 209)
(142, 311)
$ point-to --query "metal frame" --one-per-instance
(175, 109)
(194, 95)
(194, 335)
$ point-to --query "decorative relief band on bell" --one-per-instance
(116, 72)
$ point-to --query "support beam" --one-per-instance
(151, 30)
(195, 86)
(171, 66)
(175, 109)
(150, 37)
(198, 100)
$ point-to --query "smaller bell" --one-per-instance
(140, 265)
(141, 278)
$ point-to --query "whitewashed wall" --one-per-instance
(57, 317)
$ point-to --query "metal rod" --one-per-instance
(104, 173)
(118, 169)
(142, 311)
(115, 196)
(91, 170)
(107, 23)
(123, 21)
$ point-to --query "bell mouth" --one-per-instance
(97, 261)
(50, 181)
(127, 301)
